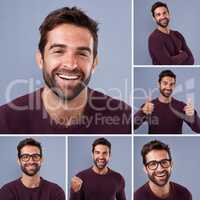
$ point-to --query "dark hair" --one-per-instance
(156, 5)
(68, 15)
(154, 145)
(28, 141)
(102, 141)
(166, 73)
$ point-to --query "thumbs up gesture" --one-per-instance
(189, 108)
(148, 107)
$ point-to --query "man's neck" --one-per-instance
(165, 30)
(160, 191)
(64, 112)
(163, 99)
(100, 171)
(30, 181)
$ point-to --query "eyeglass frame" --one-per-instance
(31, 156)
(159, 163)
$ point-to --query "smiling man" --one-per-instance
(166, 114)
(98, 182)
(158, 164)
(31, 186)
(67, 57)
(166, 46)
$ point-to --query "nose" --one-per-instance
(70, 61)
(101, 156)
(160, 168)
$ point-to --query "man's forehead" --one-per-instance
(70, 34)
(168, 79)
(101, 147)
(157, 155)
(30, 148)
(160, 9)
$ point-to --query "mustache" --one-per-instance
(162, 172)
(164, 19)
(69, 72)
(33, 164)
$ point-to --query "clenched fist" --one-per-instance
(76, 183)
(148, 107)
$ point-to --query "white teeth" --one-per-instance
(71, 77)
(161, 175)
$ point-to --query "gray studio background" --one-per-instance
(184, 18)
(187, 86)
(19, 36)
(185, 155)
(53, 167)
(80, 157)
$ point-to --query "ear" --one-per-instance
(18, 161)
(95, 63)
(39, 59)
(172, 164)
(42, 160)
(145, 170)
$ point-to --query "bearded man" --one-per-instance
(31, 186)
(166, 46)
(99, 181)
(158, 164)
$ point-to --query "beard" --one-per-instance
(32, 171)
(163, 23)
(100, 165)
(160, 181)
(68, 92)
(166, 93)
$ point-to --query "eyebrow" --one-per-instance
(65, 46)
(57, 45)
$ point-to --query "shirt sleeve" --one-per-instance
(158, 51)
(120, 195)
(5, 194)
(193, 122)
(59, 195)
(139, 118)
(190, 59)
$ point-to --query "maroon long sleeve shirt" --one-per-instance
(167, 118)
(102, 114)
(176, 192)
(109, 186)
(169, 49)
(15, 190)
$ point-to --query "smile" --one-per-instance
(68, 77)
(161, 175)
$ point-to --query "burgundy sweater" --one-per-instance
(167, 118)
(176, 192)
(165, 49)
(102, 114)
(100, 187)
(17, 191)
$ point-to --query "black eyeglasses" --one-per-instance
(26, 157)
(153, 165)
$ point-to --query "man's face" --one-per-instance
(30, 160)
(101, 156)
(68, 60)
(159, 176)
(167, 86)
(161, 16)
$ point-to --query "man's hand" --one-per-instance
(76, 183)
(189, 108)
(148, 107)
